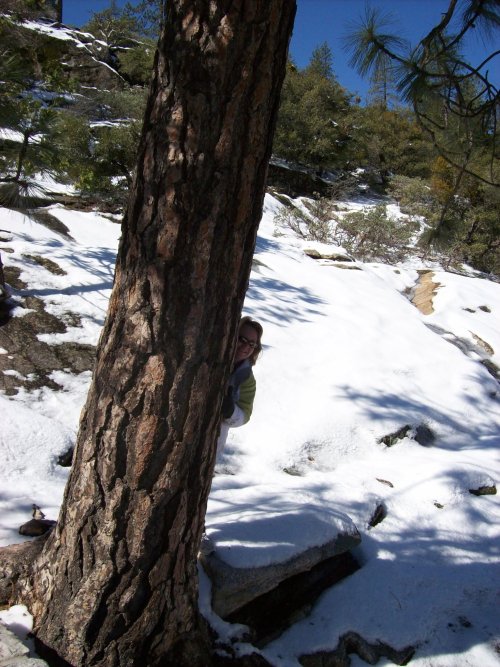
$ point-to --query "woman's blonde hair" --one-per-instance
(257, 327)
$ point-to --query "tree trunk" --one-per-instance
(116, 584)
(59, 11)
(2, 275)
(22, 154)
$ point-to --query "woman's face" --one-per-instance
(248, 339)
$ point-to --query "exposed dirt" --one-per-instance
(27, 361)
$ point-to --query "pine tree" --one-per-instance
(116, 27)
(389, 141)
(313, 126)
(149, 15)
(456, 106)
(444, 90)
(321, 63)
(28, 100)
(116, 583)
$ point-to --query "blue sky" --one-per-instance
(319, 21)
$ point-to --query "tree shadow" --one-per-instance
(277, 302)
(383, 406)
(423, 585)
(437, 587)
(266, 245)
(98, 265)
(267, 527)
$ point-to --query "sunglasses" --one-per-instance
(244, 340)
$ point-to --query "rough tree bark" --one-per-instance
(2, 276)
(116, 583)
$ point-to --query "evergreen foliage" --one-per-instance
(315, 224)
(32, 9)
(436, 158)
(60, 125)
(388, 142)
(372, 234)
(367, 56)
(114, 27)
(136, 63)
(32, 91)
(369, 234)
(149, 17)
(463, 219)
(454, 102)
(313, 123)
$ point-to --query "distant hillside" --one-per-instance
(84, 60)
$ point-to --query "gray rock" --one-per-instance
(314, 253)
(269, 615)
(424, 436)
(33, 359)
(378, 515)
(13, 653)
(353, 643)
(233, 588)
(484, 491)
(36, 527)
(392, 438)
(10, 645)
(24, 662)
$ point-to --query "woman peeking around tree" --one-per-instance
(238, 402)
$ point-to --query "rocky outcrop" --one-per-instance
(234, 587)
(36, 527)
(29, 361)
(269, 598)
(314, 253)
(353, 643)
(13, 653)
(92, 63)
(489, 490)
(269, 615)
(297, 180)
(421, 433)
(82, 56)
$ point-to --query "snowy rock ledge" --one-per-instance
(13, 653)
(236, 584)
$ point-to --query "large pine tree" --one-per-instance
(116, 584)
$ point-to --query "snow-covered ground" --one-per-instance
(347, 360)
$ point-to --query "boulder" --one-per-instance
(331, 256)
(36, 527)
(235, 587)
(424, 435)
(269, 615)
(354, 644)
(13, 653)
(488, 490)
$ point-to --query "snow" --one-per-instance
(81, 40)
(13, 135)
(256, 525)
(58, 31)
(347, 360)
